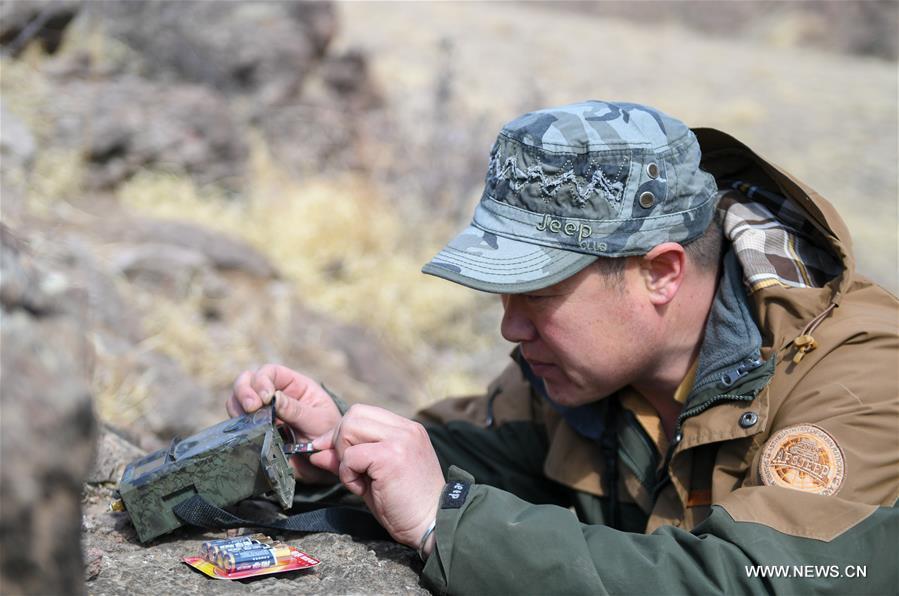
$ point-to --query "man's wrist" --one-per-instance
(426, 544)
(341, 405)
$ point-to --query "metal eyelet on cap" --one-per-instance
(749, 419)
(647, 200)
(652, 170)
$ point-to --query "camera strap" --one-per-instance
(197, 511)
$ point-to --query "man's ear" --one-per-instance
(662, 270)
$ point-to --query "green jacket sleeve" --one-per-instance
(495, 543)
(509, 457)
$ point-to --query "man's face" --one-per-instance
(586, 336)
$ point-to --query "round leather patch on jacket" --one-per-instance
(803, 457)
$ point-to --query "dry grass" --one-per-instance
(341, 244)
(24, 90)
(120, 391)
(57, 173)
(345, 252)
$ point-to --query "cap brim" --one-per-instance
(490, 263)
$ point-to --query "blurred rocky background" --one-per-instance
(190, 189)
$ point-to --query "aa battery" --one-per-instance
(211, 549)
(213, 546)
(254, 559)
(258, 537)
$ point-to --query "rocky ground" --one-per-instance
(174, 211)
(115, 558)
(117, 562)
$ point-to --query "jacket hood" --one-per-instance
(784, 311)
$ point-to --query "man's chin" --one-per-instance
(565, 393)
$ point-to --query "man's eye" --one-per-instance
(536, 297)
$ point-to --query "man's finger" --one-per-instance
(354, 466)
(285, 379)
(242, 381)
(233, 407)
(365, 424)
(356, 483)
(246, 396)
(326, 441)
(263, 384)
(376, 414)
(326, 460)
(289, 410)
(277, 377)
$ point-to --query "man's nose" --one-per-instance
(516, 327)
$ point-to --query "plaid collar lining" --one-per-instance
(775, 243)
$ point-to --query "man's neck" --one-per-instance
(682, 341)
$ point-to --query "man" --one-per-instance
(700, 376)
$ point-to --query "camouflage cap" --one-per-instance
(569, 184)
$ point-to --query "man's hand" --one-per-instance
(388, 460)
(307, 409)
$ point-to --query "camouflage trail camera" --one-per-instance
(226, 463)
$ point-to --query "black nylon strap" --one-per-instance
(197, 511)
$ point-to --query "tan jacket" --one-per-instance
(810, 448)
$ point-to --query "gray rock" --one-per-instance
(46, 432)
(262, 49)
(348, 565)
(45, 21)
(109, 313)
(113, 453)
(351, 360)
(339, 113)
(29, 286)
(16, 141)
(126, 124)
(118, 563)
(174, 401)
(349, 76)
(93, 563)
(222, 251)
(164, 267)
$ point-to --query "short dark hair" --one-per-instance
(704, 251)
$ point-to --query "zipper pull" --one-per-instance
(804, 344)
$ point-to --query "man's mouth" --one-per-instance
(540, 367)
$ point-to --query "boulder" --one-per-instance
(29, 286)
(161, 267)
(118, 563)
(351, 360)
(113, 453)
(76, 254)
(48, 426)
(127, 124)
(176, 404)
(260, 49)
(348, 565)
(189, 244)
(44, 21)
(339, 114)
